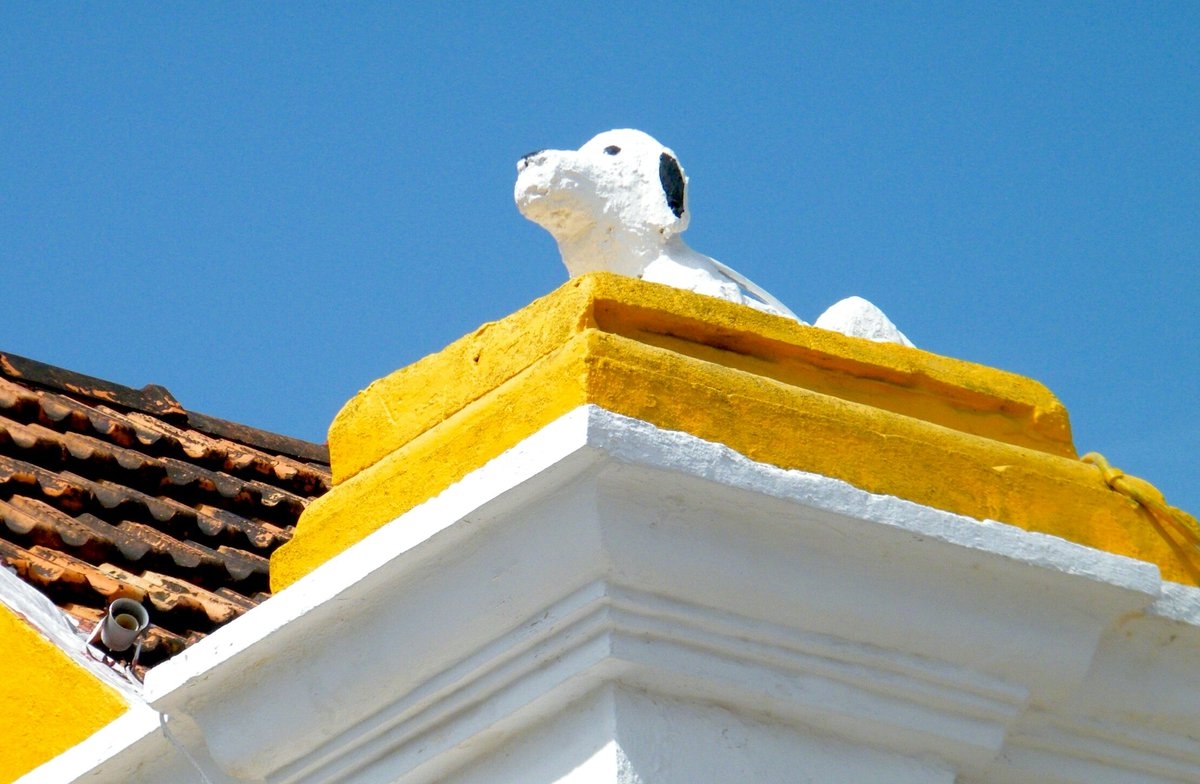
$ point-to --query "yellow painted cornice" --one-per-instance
(50, 701)
(889, 419)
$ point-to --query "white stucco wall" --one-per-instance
(611, 602)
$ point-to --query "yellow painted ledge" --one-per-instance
(50, 702)
(889, 419)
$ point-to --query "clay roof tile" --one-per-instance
(108, 491)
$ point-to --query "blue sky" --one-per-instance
(264, 207)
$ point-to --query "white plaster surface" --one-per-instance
(670, 741)
(627, 736)
(612, 602)
(135, 748)
(57, 626)
(858, 317)
(607, 205)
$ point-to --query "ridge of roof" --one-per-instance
(155, 400)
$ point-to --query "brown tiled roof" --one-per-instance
(108, 491)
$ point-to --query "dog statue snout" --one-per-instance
(530, 158)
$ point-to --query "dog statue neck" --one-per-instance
(617, 249)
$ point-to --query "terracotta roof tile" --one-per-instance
(108, 492)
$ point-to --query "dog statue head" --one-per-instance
(613, 204)
(619, 203)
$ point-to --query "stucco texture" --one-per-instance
(50, 702)
(886, 418)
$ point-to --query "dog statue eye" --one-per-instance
(612, 149)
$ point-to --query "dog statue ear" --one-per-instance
(673, 184)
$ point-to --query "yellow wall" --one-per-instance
(49, 703)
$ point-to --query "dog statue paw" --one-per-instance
(618, 204)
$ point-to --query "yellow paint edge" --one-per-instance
(50, 702)
(399, 407)
(879, 451)
(971, 398)
(962, 395)
(765, 419)
(432, 461)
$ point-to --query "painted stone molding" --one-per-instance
(888, 419)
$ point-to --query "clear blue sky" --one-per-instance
(264, 207)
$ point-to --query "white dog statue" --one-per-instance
(619, 203)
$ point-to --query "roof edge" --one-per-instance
(155, 400)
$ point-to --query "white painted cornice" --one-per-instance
(609, 601)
